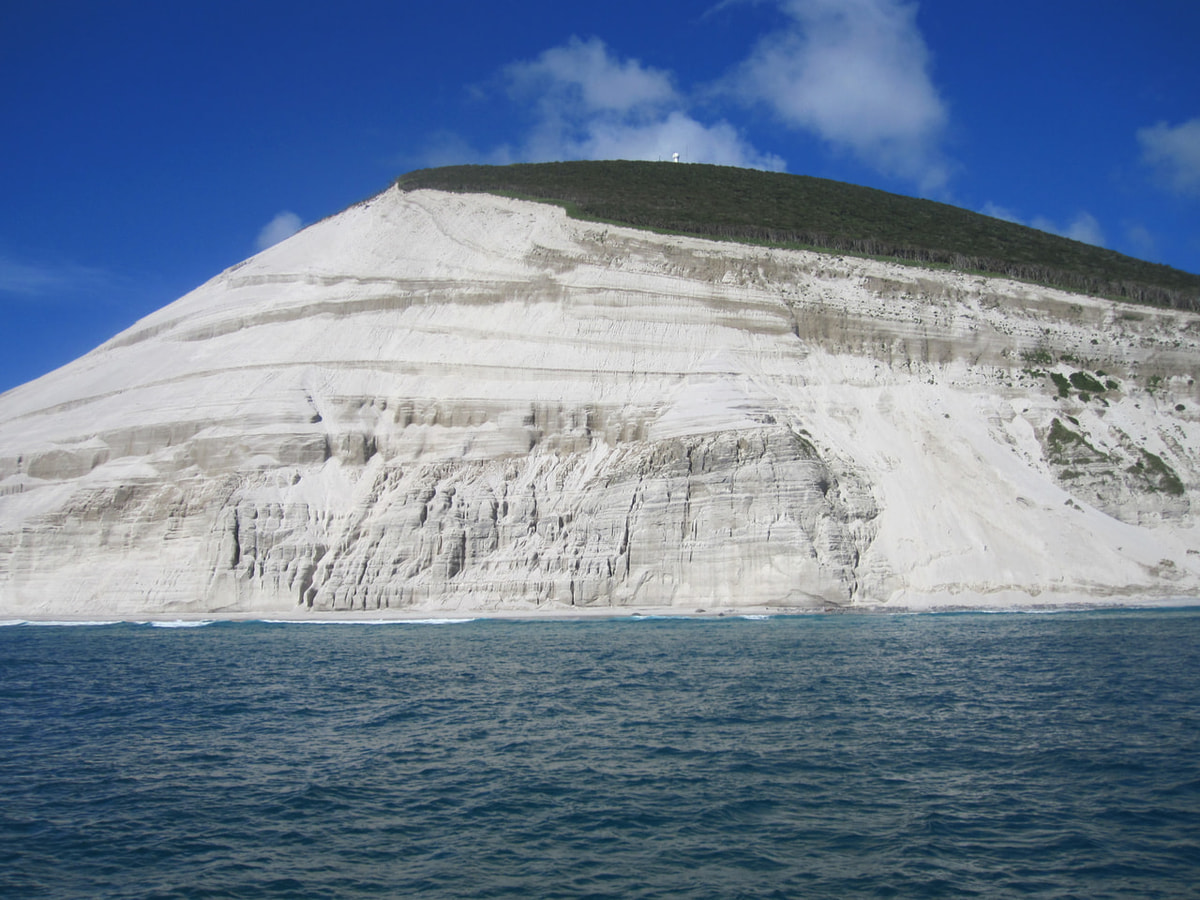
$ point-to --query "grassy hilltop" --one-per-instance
(798, 210)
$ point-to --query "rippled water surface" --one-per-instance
(818, 756)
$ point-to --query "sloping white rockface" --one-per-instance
(467, 402)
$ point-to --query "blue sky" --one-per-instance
(149, 144)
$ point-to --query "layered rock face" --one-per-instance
(448, 402)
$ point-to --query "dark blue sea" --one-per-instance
(951, 755)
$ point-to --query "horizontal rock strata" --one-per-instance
(435, 401)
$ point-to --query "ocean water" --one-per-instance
(1006, 755)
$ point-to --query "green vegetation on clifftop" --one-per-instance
(798, 210)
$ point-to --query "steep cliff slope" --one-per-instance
(443, 401)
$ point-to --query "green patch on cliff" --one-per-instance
(1065, 447)
(1075, 458)
(1085, 383)
(1156, 475)
(1040, 357)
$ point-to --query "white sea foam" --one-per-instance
(365, 621)
(180, 623)
(69, 623)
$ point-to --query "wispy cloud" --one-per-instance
(1084, 227)
(1174, 152)
(856, 73)
(1000, 212)
(1142, 241)
(592, 104)
(584, 76)
(280, 228)
(23, 279)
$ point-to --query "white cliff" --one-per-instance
(438, 401)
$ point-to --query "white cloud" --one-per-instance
(1175, 153)
(280, 228)
(22, 278)
(660, 139)
(444, 148)
(855, 72)
(590, 104)
(39, 280)
(1142, 240)
(1084, 227)
(583, 75)
(1000, 212)
(719, 144)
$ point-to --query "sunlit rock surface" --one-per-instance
(456, 402)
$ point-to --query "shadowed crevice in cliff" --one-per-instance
(703, 520)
